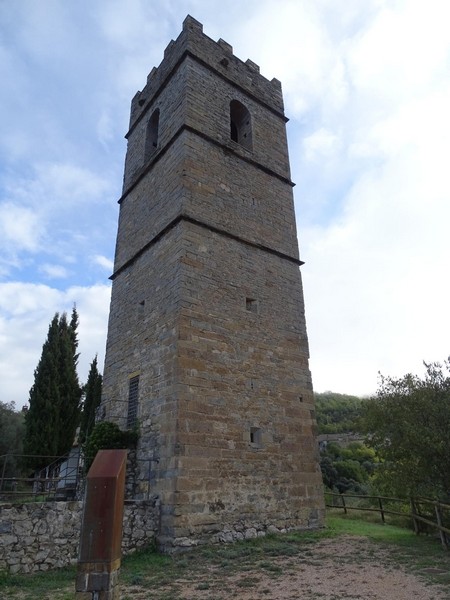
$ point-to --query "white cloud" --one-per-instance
(60, 187)
(402, 51)
(136, 35)
(375, 278)
(320, 143)
(20, 228)
(53, 271)
(26, 310)
(104, 262)
(105, 128)
(53, 211)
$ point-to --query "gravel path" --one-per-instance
(347, 567)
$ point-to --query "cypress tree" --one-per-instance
(69, 400)
(41, 418)
(54, 411)
(93, 393)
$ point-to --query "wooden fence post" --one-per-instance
(343, 503)
(381, 509)
(442, 534)
(413, 515)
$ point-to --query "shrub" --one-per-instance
(105, 436)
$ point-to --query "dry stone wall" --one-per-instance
(43, 536)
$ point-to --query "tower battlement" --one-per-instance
(219, 57)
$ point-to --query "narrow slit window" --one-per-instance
(133, 399)
(240, 125)
(151, 140)
(141, 309)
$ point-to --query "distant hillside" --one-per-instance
(338, 413)
(347, 464)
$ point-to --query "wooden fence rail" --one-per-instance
(417, 509)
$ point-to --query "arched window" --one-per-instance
(240, 124)
(151, 139)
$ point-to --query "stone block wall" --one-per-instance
(247, 458)
(43, 536)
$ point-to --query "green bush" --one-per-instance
(350, 469)
(105, 436)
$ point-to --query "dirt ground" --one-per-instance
(346, 567)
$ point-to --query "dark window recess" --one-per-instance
(255, 436)
(251, 305)
(240, 125)
(151, 139)
(133, 399)
(233, 132)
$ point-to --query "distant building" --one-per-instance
(341, 439)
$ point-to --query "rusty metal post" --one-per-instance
(101, 530)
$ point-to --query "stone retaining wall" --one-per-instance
(45, 535)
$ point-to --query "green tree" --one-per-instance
(106, 435)
(54, 410)
(338, 413)
(69, 396)
(92, 396)
(11, 438)
(347, 468)
(408, 424)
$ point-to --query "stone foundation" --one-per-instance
(247, 529)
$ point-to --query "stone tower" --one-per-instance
(207, 348)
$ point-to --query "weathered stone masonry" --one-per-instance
(45, 535)
(207, 303)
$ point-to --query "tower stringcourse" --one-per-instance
(207, 349)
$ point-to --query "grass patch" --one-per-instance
(351, 524)
(58, 585)
(421, 554)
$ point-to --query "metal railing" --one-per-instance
(62, 479)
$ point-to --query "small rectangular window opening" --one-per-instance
(255, 436)
(251, 305)
(133, 398)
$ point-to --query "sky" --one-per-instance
(367, 91)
